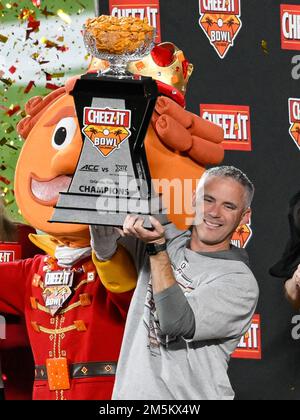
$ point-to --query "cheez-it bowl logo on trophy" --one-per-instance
(106, 128)
(114, 110)
(220, 20)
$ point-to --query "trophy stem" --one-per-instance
(117, 69)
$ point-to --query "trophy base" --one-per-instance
(75, 216)
(108, 211)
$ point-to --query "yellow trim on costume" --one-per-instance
(58, 330)
(118, 274)
(62, 311)
(81, 284)
(78, 325)
(46, 243)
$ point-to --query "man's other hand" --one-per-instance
(133, 226)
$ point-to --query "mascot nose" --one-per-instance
(64, 162)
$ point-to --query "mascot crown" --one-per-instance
(167, 64)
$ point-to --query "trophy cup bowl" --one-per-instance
(118, 61)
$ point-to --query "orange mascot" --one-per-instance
(76, 339)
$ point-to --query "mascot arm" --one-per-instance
(185, 132)
(118, 274)
(119, 277)
(13, 277)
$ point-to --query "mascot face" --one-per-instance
(45, 168)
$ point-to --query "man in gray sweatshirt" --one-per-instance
(194, 300)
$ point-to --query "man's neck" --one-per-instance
(198, 246)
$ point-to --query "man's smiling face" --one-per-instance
(223, 210)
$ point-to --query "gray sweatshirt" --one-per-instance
(222, 292)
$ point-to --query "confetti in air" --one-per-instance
(41, 47)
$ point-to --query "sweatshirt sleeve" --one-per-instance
(224, 308)
(175, 315)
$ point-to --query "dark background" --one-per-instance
(249, 76)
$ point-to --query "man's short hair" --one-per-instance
(237, 175)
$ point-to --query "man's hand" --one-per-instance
(292, 288)
(133, 226)
(296, 277)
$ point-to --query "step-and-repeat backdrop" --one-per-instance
(246, 55)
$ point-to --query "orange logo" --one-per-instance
(242, 236)
(250, 345)
(294, 114)
(235, 121)
(138, 8)
(106, 128)
(220, 20)
(290, 26)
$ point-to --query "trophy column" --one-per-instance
(112, 177)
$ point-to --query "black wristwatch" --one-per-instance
(153, 249)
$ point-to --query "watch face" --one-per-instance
(154, 249)
(150, 248)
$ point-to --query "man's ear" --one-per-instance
(246, 216)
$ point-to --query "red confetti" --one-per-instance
(51, 86)
(12, 69)
(29, 86)
(12, 111)
(51, 44)
(48, 76)
(63, 48)
(32, 26)
(4, 180)
(36, 3)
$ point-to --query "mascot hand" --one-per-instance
(104, 241)
(187, 133)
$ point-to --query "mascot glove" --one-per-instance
(104, 241)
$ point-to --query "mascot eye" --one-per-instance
(63, 133)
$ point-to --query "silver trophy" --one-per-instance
(112, 177)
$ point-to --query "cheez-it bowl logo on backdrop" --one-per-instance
(235, 121)
(250, 345)
(242, 236)
(220, 20)
(140, 9)
(290, 26)
(294, 116)
(106, 128)
(10, 252)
